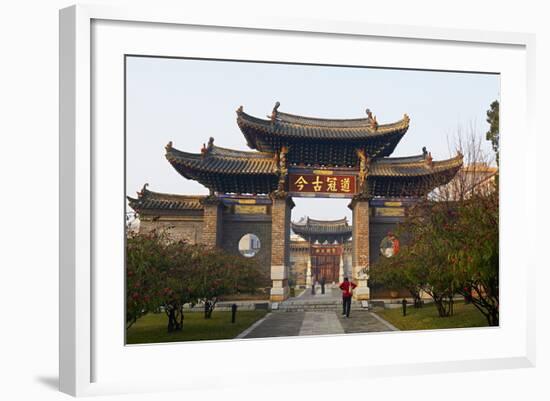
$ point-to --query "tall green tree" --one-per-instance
(493, 134)
(474, 254)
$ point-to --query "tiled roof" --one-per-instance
(412, 166)
(148, 201)
(321, 141)
(226, 161)
(225, 170)
(307, 226)
(292, 125)
(410, 178)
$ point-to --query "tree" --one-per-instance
(476, 257)
(493, 134)
(422, 262)
(399, 272)
(216, 273)
(452, 244)
(178, 291)
(163, 274)
(148, 257)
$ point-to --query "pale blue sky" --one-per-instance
(187, 101)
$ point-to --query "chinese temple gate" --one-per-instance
(326, 239)
(296, 156)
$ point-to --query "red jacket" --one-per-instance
(345, 288)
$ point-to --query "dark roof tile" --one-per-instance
(148, 200)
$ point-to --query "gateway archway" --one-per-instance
(297, 156)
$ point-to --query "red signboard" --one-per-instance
(322, 183)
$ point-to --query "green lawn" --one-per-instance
(151, 328)
(427, 318)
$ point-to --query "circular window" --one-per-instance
(249, 245)
(389, 245)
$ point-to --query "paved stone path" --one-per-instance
(279, 325)
(362, 321)
(317, 323)
(283, 324)
(294, 322)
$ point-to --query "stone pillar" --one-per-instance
(212, 222)
(360, 247)
(280, 246)
(341, 270)
(308, 272)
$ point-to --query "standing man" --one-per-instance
(323, 285)
(347, 291)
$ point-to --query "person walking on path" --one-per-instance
(347, 291)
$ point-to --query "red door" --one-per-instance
(325, 266)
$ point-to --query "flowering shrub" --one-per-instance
(164, 275)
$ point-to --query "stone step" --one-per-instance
(313, 306)
(316, 302)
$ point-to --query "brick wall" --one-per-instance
(361, 244)
(298, 264)
(379, 228)
(280, 232)
(360, 248)
(188, 230)
(233, 230)
(280, 248)
(212, 224)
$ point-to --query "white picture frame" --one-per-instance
(90, 364)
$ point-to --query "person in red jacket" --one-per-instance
(347, 289)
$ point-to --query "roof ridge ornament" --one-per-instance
(240, 109)
(274, 111)
(206, 149)
(168, 146)
(372, 120)
(143, 190)
(429, 160)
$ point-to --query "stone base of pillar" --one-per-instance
(362, 291)
(279, 294)
(279, 283)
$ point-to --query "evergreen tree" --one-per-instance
(493, 134)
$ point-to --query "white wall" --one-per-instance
(28, 131)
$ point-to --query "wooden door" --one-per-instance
(326, 266)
